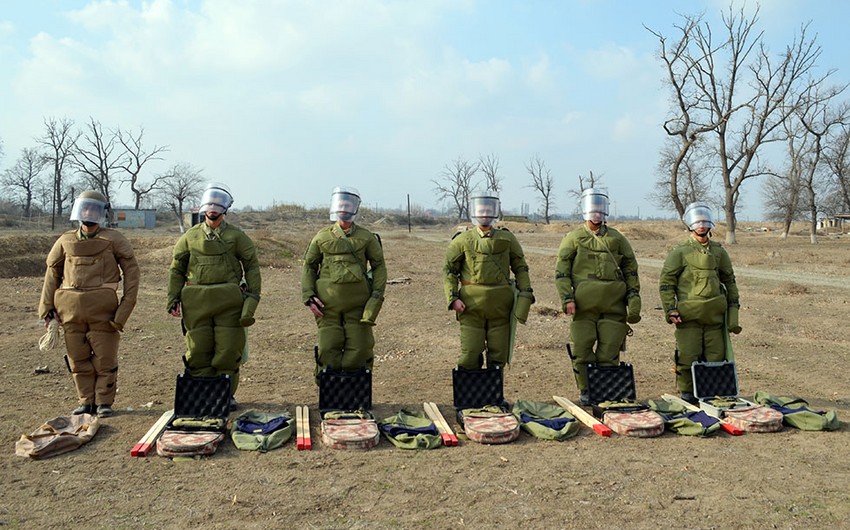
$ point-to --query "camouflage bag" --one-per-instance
(261, 431)
(410, 430)
(490, 425)
(796, 412)
(545, 421)
(628, 417)
(349, 429)
(683, 421)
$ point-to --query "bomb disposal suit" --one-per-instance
(479, 288)
(596, 275)
(84, 270)
(699, 294)
(215, 279)
(342, 283)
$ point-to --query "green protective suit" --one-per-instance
(477, 271)
(335, 271)
(698, 282)
(599, 272)
(207, 269)
(81, 283)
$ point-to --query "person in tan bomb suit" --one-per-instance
(84, 269)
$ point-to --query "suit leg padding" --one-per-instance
(80, 362)
(689, 342)
(611, 337)
(229, 345)
(105, 361)
(498, 341)
(359, 342)
(331, 338)
(200, 342)
(583, 337)
(473, 336)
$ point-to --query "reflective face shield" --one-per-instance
(594, 205)
(484, 210)
(88, 210)
(216, 200)
(698, 215)
(345, 202)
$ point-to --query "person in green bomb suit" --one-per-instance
(478, 287)
(342, 293)
(699, 296)
(214, 285)
(596, 275)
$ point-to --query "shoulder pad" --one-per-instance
(505, 228)
(459, 232)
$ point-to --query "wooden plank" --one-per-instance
(146, 443)
(446, 433)
(728, 427)
(302, 428)
(581, 415)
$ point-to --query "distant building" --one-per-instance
(128, 218)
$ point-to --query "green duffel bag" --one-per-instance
(261, 431)
(683, 421)
(796, 412)
(410, 430)
(545, 421)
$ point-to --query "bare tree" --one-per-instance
(837, 158)
(783, 192)
(687, 182)
(58, 141)
(817, 118)
(543, 183)
(181, 184)
(489, 165)
(135, 160)
(455, 184)
(96, 160)
(23, 179)
(735, 93)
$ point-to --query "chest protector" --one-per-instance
(700, 295)
(487, 260)
(596, 275)
(89, 263)
(212, 261)
(343, 260)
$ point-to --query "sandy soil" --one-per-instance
(795, 341)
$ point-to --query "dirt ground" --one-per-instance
(794, 298)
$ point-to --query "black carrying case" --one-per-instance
(716, 380)
(345, 391)
(200, 398)
(612, 383)
(473, 389)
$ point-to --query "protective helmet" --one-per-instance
(697, 215)
(345, 202)
(594, 205)
(484, 208)
(90, 208)
(216, 199)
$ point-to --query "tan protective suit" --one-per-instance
(81, 284)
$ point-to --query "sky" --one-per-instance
(283, 100)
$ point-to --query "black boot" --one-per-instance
(85, 408)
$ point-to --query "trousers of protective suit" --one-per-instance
(91, 342)
(345, 343)
(215, 341)
(606, 331)
(485, 325)
(695, 342)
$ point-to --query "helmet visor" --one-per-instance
(484, 211)
(215, 200)
(88, 210)
(594, 205)
(345, 202)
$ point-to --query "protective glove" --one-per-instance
(633, 310)
(371, 310)
(117, 326)
(732, 320)
(249, 305)
(523, 306)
